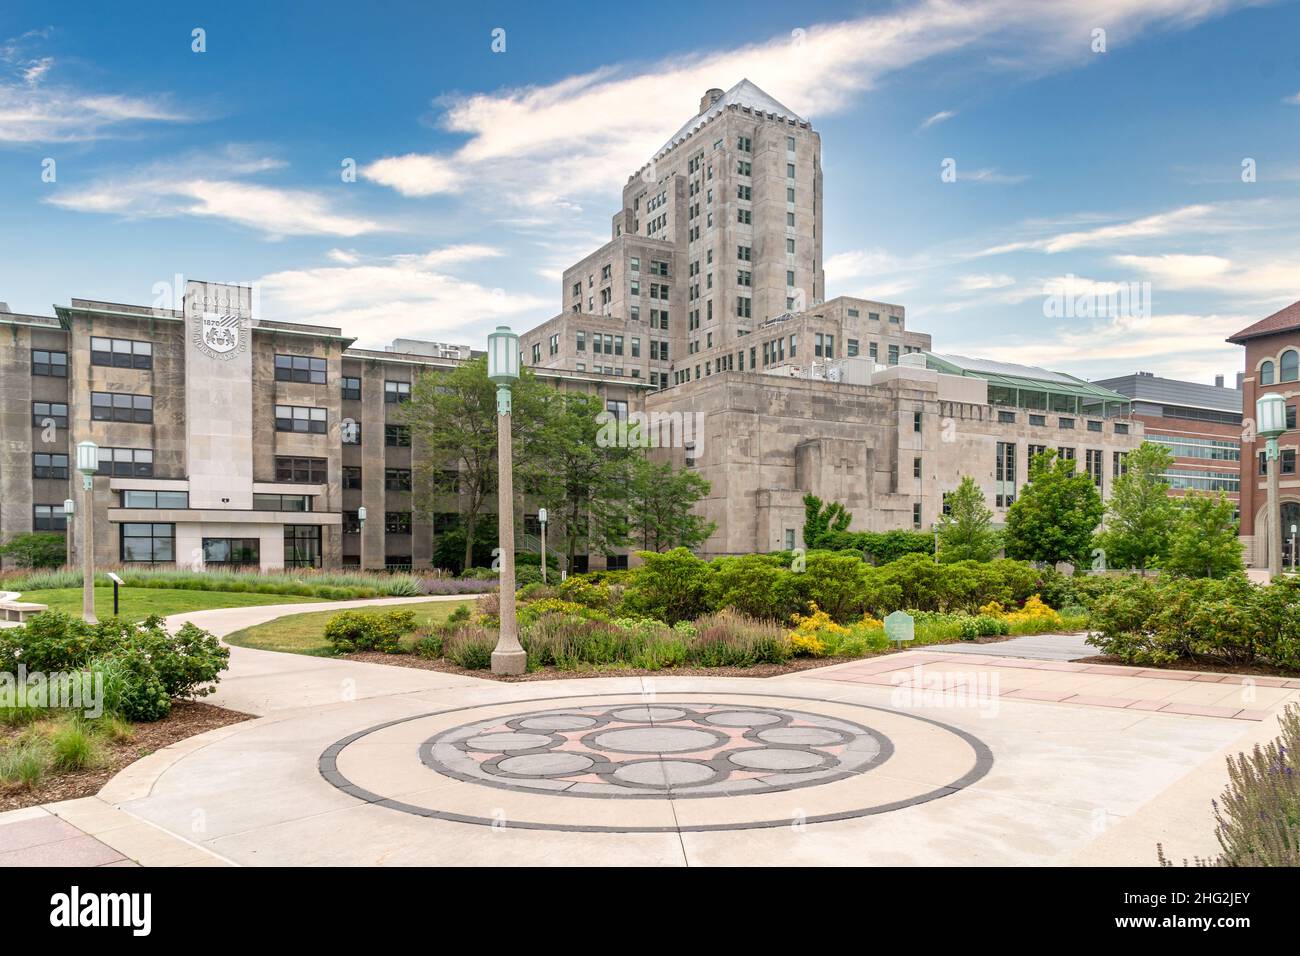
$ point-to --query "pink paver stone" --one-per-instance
(1252, 714)
(1199, 710)
(1045, 695)
(1091, 700)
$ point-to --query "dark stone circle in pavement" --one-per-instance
(638, 751)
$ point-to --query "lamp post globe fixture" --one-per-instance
(88, 464)
(361, 535)
(1270, 424)
(503, 371)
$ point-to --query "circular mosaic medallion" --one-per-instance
(686, 750)
(763, 760)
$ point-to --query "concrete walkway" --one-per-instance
(1043, 647)
(371, 764)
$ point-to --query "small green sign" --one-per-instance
(900, 627)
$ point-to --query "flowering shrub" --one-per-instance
(144, 666)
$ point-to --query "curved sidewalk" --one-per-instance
(353, 763)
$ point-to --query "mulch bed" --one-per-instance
(1213, 666)
(186, 719)
(551, 673)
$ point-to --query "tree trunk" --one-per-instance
(470, 524)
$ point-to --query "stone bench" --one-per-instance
(20, 611)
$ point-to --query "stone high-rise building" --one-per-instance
(230, 437)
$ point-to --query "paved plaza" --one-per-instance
(961, 755)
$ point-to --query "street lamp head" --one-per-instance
(503, 356)
(87, 457)
(541, 515)
(1270, 415)
(69, 507)
(361, 514)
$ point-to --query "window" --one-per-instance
(581, 341)
(893, 355)
(302, 546)
(49, 466)
(125, 462)
(1208, 448)
(1065, 454)
(744, 216)
(397, 479)
(617, 408)
(1038, 419)
(120, 353)
(397, 392)
(916, 516)
(47, 362)
(1004, 473)
(916, 421)
(397, 436)
(1119, 463)
(155, 499)
(302, 470)
(745, 144)
(49, 518)
(1266, 373)
(351, 522)
(916, 468)
(1033, 451)
(56, 412)
(231, 551)
(636, 347)
(743, 306)
(264, 502)
(396, 562)
(1289, 366)
(120, 407)
(351, 388)
(351, 478)
(1092, 461)
(1066, 423)
(1094, 426)
(1006, 418)
(397, 522)
(147, 543)
(300, 418)
(873, 350)
(300, 368)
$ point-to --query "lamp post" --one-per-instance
(503, 369)
(88, 464)
(1270, 423)
(69, 507)
(361, 533)
(541, 519)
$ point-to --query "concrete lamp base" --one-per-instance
(509, 663)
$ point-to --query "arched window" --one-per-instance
(1290, 365)
(1266, 373)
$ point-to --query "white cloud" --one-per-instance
(1183, 345)
(1175, 221)
(34, 111)
(991, 175)
(400, 296)
(1293, 100)
(583, 135)
(204, 186)
(939, 117)
(1266, 277)
(984, 282)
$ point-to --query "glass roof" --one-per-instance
(1025, 377)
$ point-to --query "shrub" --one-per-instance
(36, 549)
(1228, 620)
(144, 666)
(670, 587)
(532, 611)
(470, 646)
(350, 631)
(429, 644)
(727, 639)
(752, 585)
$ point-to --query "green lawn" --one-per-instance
(305, 633)
(138, 603)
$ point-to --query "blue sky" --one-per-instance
(482, 174)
